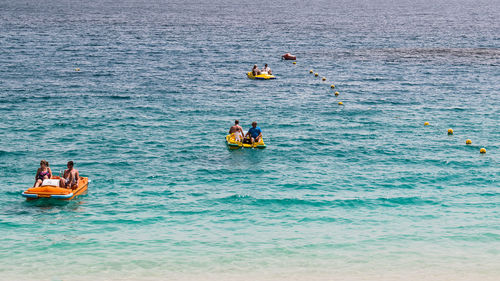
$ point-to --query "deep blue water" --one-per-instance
(362, 191)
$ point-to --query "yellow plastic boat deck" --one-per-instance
(260, 76)
(233, 144)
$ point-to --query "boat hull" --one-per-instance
(233, 144)
(260, 76)
(55, 192)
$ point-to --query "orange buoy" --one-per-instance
(288, 56)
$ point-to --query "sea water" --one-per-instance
(140, 95)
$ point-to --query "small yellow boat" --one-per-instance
(232, 143)
(50, 189)
(263, 76)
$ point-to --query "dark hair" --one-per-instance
(44, 162)
(70, 163)
(254, 123)
(236, 121)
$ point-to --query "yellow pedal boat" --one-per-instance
(52, 190)
(232, 143)
(263, 76)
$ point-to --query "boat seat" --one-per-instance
(51, 182)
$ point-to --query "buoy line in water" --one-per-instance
(450, 130)
(467, 141)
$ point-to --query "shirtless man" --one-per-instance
(237, 130)
(70, 177)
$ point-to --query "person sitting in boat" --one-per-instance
(70, 177)
(255, 133)
(42, 173)
(255, 70)
(266, 70)
(236, 130)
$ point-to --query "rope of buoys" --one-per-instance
(450, 130)
(332, 86)
(467, 141)
(323, 78)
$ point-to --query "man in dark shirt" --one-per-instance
(255, 133)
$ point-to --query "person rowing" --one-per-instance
(255, 133)
(70, 177)
(266, 70)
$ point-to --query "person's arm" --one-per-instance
(77, 175)
(50, 173)
(37, 172)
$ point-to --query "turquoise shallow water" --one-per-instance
(356, 192)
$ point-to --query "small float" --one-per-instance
(263, 76)
(50, 189)
(232, 143)
(288, 56)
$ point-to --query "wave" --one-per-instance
(12, 153)
(115, 97)
(345, 203)
(12, 192)
(483, 56)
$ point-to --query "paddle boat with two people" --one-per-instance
(257, 74)
(253, 138)
(48, 186)
(233, 143)
(262, 76)
(50, 189)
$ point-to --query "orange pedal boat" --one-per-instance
(52, 190)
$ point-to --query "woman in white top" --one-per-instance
(266, 69)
